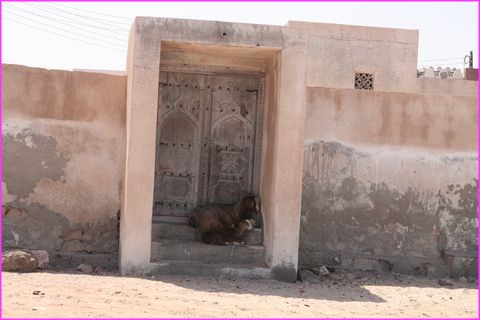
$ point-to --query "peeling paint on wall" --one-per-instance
(27, 158)
(35, 227)
(6, 196)
(389, 205)
(62, 161)
(59, 177)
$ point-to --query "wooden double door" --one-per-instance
(208, 141)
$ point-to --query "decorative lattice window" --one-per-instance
(364, 81)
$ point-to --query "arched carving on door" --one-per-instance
(207, 141)
(230, 154)
(176, 169)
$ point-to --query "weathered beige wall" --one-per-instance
(63, 149)
(392, 119)
(390, 181)
(336, 52)
(63, 95)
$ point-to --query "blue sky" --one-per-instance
(39, 34)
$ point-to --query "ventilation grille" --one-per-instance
(364, 81)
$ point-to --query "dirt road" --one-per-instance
(44, 294)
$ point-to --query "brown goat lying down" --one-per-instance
(217, 218)
(229, 236)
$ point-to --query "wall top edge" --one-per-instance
(310, 24)
(379, 93)
(114, 73)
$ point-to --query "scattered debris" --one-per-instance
(98, 270)
(330, 269)
(472, 279)
(323, 271)
(85, 268)
(445, 282)
(335, 276)
(308, 276)
(18, 261)
(42, 258)
(463, 279)
(36, 292)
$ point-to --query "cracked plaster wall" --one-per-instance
(379, 195)
(62, 153)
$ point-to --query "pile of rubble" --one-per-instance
(331, 276)
(31, 260)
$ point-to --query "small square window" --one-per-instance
(364, 81)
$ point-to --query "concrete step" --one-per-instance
(173, 231)
(192, 268)
(166, 249)
(176, 231)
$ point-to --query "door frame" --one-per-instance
(281, 52)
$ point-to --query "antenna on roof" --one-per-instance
(470, 59)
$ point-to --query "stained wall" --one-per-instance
(390, 181)
(63, 137)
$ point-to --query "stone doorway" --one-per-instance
(280, 54)
(208, 141)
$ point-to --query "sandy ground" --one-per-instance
(108, 295)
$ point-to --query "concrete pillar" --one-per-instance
(143, 63)
(284, 200)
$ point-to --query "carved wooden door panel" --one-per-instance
(232, 133)
(179, 131)
(208, 141)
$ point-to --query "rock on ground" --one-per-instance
(445, 282)
(308, 276)
(18, 261)
(85, 268)
(323, 271)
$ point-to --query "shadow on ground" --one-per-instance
(335, 287)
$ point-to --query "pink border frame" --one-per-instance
(478, 132)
